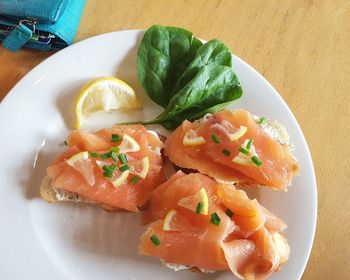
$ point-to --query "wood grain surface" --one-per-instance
(301, 47)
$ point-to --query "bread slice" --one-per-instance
(52, 195)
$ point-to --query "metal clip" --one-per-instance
(29, 21)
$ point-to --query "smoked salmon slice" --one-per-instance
(110, 159)
(237, 233)
(235, 147)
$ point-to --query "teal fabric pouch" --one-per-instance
(39, 24)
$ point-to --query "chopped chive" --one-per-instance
(106, 155)
(155, 240)
(116, 138)
(124, 168)
(123, 159)
(215, 138)
(262, 121)
(94, 154)
(115, 150)
(244, 151)
(229, 213)
(256, 160)
(65, 142)
(107, 174)
(114, 156)
(249, 144)
(135, 179)
(215, 219)
(226, 152)
(199, 207)
(109, 168)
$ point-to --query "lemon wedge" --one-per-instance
(119, 180)
(140, 168)
(104, 94)
(128, 144)
(198, 202)
(238, 133)
(246, 159)
(168, 219)
(82, 164)
(191, 139)
(78, 157)
(243, 160)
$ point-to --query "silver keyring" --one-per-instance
(30, 22)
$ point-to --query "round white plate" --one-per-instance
(68, 241)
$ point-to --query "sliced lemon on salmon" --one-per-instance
(140, 168)
(245, 156)
(104, 94)
(128, 144)
(238, 133)
(191, 139)
(120, 178)
(198, 202)
(167, 224)
(243, 160)
(83, 165)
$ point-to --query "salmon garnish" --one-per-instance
(223, 156)
(133, 191)
(237, 234)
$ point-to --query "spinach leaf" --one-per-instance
(163, 56)
(212, 88)
(212, 52)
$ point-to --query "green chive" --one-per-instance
(215, 219)
(109, 168)
(249, 144)
(65, 142)
(244, 151)
(116, 138)
(134, 180)
(215, 138)
(123, 159)
(94, 154)
(262, 121)
(107, 174)
(106, 155)
(115, 150)
(229, 213)
(114, 156)
(124, 168)
(199, 207)
(226, 152)
(256, 160)
(155, 240)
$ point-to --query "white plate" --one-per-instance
(67, 241)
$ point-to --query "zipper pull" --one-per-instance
(20, 35)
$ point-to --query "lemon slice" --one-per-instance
(128, 144)
(243, 159)
(78, 157)
(82, 164)
(197, 202)
(104, 94)
(140, 168)
(238, 133)
(167, 221)
(192, 139)
(119, 179)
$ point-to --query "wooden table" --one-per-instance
(301, 47)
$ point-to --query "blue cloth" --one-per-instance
(58, 19)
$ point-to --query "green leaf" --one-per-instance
(213, 52)
(163, 56)
(213, 88)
